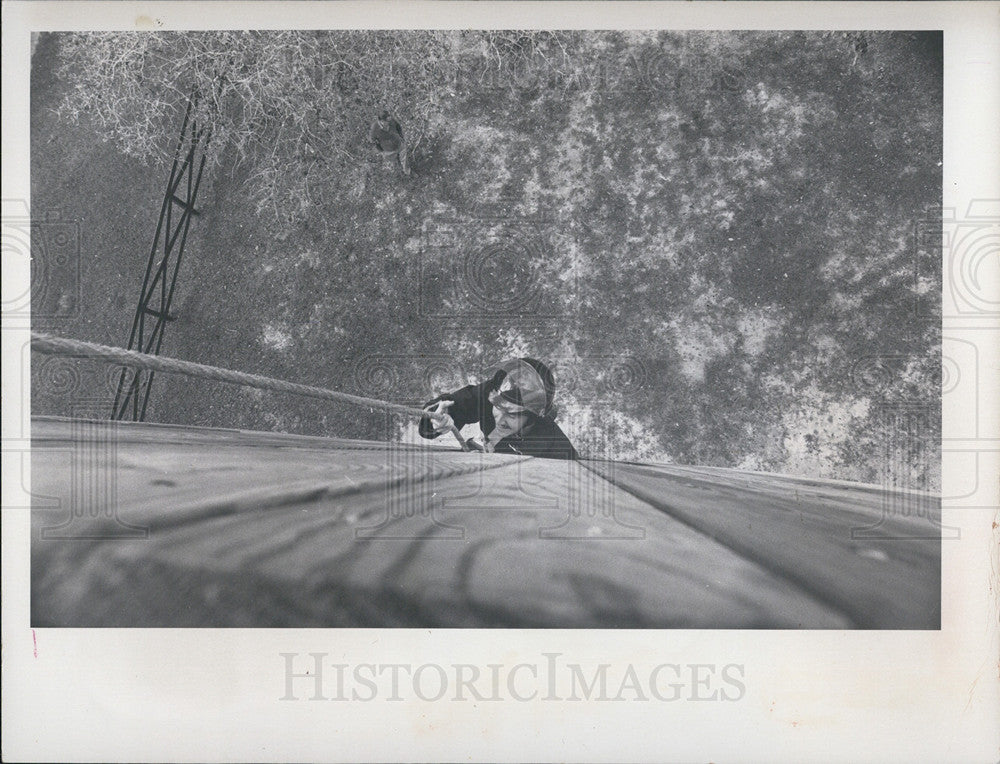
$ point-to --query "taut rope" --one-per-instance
(46, 343)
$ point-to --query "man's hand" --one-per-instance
(476, 444)
(440, 409)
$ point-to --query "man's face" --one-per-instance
(507, 423)
(510, 418)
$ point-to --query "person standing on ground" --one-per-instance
(387, 135)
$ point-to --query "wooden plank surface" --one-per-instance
(872, 554)
(168, 475)
(256, 530)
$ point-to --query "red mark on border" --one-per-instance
(34, 640)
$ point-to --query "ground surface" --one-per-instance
(715, 234)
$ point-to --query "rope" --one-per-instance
(46, 343)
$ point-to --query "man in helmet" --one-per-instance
(514, 409)
(387, 135)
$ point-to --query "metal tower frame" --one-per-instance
(153, 311)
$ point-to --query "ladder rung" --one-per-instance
(177, 200)
(157, 314)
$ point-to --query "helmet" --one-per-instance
(526, 384)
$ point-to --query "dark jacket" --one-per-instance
(542, 437)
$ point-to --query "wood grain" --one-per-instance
(264, 530)
(870, 553)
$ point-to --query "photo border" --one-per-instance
(187, 694)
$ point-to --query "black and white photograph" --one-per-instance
(385, 327)
(642, 329)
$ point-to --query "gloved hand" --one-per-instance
(441, 409)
